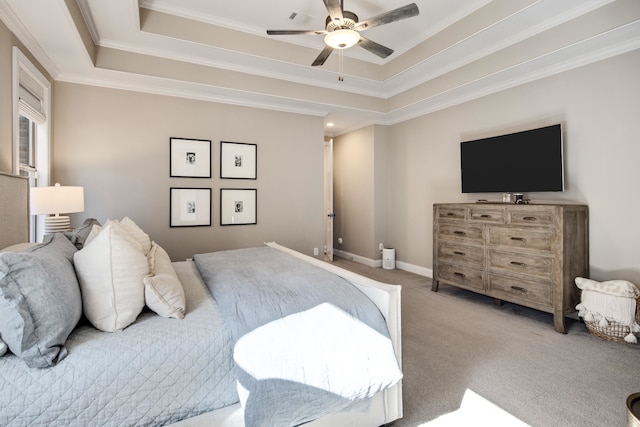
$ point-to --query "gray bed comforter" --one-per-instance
(155, 372)
(255, 286)
(262, 287)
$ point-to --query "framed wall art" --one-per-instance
(190, 158)
(190, 207)
(238, 160)
(238, 206)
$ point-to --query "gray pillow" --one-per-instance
(40, 301)
(79, 235)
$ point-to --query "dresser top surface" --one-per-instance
(514, 205)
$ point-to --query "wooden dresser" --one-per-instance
(526, 254)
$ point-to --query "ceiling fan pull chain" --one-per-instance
(340, 66)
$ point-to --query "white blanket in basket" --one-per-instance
(604, 302)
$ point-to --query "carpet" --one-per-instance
(458, 343)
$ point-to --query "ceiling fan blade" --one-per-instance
(323, 56)
(394, 15)
(334, 7)
(375, 48)
(294, 32)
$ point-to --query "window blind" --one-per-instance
(30, 98)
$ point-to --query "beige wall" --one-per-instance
(599, 106)
(116, 144)
(360, 191)
(353, 192)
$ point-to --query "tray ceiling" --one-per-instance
(452, 52)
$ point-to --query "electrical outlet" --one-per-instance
(315, 251)
(381, 246)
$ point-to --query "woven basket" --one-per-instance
(615, 331)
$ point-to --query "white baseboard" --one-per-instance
(377, 263)
(415, 269)
(357, 258)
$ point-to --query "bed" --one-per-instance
(199, 369)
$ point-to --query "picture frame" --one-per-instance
(238, 206)
(238, 160)
(189, 158)
(190, 207)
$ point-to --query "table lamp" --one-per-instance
(54, 201)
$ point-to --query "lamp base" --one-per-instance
(56, 224)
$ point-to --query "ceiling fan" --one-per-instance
(342, 29)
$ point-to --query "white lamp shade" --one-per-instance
(56, 200)
(342, 39)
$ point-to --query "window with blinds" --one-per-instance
(31, 127)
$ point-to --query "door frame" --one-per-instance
(328, 199)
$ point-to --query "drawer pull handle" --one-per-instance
(519, 239)
(460, 233)
(485, 216)
(519, 264)
(458, 253)
(519, 289)
(450, 214)
(455, 273)
(530, 218)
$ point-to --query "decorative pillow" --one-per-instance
(79, 236)
(163, 292)
(136, 233)
(130, 227)
(40, 301)
(3, 348)
(110, 270)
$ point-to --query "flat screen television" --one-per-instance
(529, 161)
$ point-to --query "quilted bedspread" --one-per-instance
(155, 372)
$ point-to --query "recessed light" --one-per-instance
(330, 124)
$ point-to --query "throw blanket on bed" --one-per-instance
(256, 287)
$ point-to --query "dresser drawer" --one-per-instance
(521, 238)
(511, 289)
(451, 212)
(538, 266)
(487, 215)
(460, 254)
(460, 232)
(539, 217)
(461, 276)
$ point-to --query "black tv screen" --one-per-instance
(529, 161)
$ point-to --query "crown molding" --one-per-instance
(14, 25)
(597, 48)
(85, 10)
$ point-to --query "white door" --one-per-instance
(328, 199)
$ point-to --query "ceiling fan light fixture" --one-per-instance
(342, 39)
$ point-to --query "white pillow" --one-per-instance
(163, 292)
(110, 270)
(136, 233)
(95, 230)
(130, 227)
